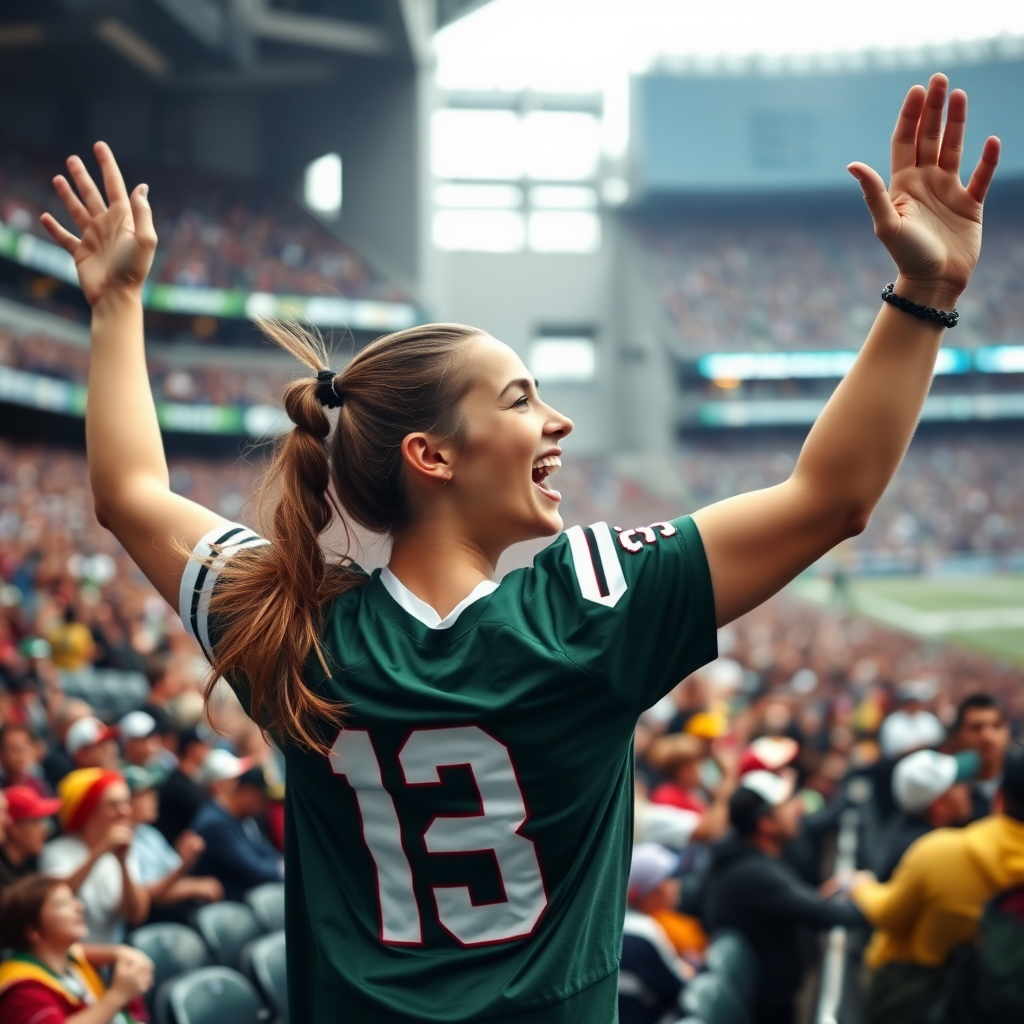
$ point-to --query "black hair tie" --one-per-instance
(325, 392)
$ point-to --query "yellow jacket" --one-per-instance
(936, 896)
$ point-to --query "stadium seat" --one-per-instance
(267, 902)
(713, 1001)
(173, 948)
(264, 960)
(730, 958)
(226, 928)
(210, 995)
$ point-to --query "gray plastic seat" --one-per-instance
(265, 964)
(730, 957)
(226, 928)
(712, 1001)
(173, 948)
(267, 902)
(210, 995)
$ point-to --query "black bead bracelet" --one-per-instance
(936, 316)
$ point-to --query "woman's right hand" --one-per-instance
(133, 974)
(118, 241)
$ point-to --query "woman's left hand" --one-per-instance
(928, 221)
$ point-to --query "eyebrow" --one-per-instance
(523, 382)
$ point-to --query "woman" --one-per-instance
(48, 979)
(459, 751)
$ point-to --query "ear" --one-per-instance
(426, 459)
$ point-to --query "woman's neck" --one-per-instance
(53, 956)
(439, 568)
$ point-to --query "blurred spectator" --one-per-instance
(58, 762)
(50, 977)
(91, 744)
(931, 791)
(19, 759)
(28, 827)
(749, 888)
(140, 742)
(165, 870)
(71, 643)
(981, 726)
(652, 975)
(237, 852)
(181, 795)
(935, 899)
(92, 855)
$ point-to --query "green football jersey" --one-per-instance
(462, 855)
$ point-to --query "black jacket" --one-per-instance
(763, 899)
(897, 837)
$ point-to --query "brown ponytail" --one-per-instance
(271, 598)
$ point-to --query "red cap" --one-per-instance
(24, 803)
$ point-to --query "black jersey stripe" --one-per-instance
(200, 580)
(595, 557)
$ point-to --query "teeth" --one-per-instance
(552, 461)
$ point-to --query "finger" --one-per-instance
(953, 137)
(883, 213)
(59, 233)
(113, 181)
(86, 187)
(142, 215)
(982, 176)
(79, 214)
(904, 138)
(929, 129)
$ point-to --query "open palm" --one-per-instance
(117, 241)
(929, 222)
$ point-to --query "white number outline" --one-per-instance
(384, 841)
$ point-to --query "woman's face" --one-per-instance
(62, 918)
(511, 445)
(115, 806)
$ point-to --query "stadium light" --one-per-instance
(323, 185)
(570, 360)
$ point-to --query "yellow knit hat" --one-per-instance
(80, 792)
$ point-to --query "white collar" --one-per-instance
(422, 611)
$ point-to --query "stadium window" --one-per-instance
(575, 231)
(477, 144)
(479, 230)
(561, 145)
(563, 360)
(479, 197)
(323, 185)
(563, 197)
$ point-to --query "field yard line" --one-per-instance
(968, 620)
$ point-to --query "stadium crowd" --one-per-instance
(772, 286)
(213, 233)
(122, 808)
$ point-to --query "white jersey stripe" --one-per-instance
(586, 572)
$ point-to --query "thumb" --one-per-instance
(876, 195)
(142, 215)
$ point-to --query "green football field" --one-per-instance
(982, 612)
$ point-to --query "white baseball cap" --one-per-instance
(650, 866)
(137, 725)
(922, 777)
(222, 764)
(85, 733)
(774, 789)
(902, 732)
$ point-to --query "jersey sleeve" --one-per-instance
(633, 608)
(200, 577)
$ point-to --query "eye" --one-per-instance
(521, 403)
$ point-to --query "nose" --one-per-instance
(558, 426)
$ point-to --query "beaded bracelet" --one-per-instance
(936, 316)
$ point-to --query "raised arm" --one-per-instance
(127, 466)
(757, 542)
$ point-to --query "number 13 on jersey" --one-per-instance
(495, 829)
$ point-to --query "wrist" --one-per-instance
(118, 300)
(936, 294)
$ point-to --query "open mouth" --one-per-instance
(542, 469)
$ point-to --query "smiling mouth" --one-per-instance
(542, 469)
